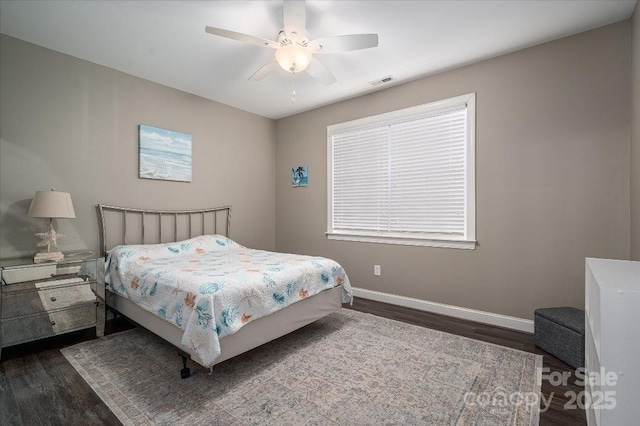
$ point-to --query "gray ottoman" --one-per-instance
(560, 331)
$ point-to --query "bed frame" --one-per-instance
(117, 227)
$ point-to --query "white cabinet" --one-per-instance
(612, 342)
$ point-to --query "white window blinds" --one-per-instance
(405, 175)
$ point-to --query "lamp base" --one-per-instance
(54, 256)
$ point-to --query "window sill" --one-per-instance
(401, 240)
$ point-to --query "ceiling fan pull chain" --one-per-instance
(293, 88)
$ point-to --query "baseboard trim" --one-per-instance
(519, 324)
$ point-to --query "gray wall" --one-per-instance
(72, 125)
(552, 178)
(635, 135)
(552, 166)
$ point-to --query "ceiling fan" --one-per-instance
(294, 52)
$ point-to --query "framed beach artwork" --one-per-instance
(164, 154)
(299, 176)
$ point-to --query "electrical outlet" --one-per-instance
(376, 270)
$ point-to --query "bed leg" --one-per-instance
(116, 316)
(185, 372)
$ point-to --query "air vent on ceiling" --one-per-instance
(383, 80)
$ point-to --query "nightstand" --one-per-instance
(47, 299)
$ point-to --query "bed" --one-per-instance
(202, 292)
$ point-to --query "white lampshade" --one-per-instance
(52, 204)
(293, 58)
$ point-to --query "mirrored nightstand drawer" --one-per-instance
(24, 329)
(29, 273)
(46, 299)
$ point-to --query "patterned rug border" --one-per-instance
(110, 403)
(122, 416)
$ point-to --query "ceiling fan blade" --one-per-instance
(245, 38)
(264, 71)
(320, 72)
(344, 43)
(294, 17)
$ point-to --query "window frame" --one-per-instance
(466, 241)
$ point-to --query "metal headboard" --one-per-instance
(144, 213)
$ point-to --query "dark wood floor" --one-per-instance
(38, 386)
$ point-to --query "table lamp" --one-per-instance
(52, 205)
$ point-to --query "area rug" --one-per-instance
(348, 368)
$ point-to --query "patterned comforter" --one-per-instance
(210, 286)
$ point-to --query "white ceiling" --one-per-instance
(165, 41)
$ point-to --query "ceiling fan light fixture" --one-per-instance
(294, 53)
(293, 58)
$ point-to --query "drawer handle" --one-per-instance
(53, 322)
(53, 299)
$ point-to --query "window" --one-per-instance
(405, 177)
